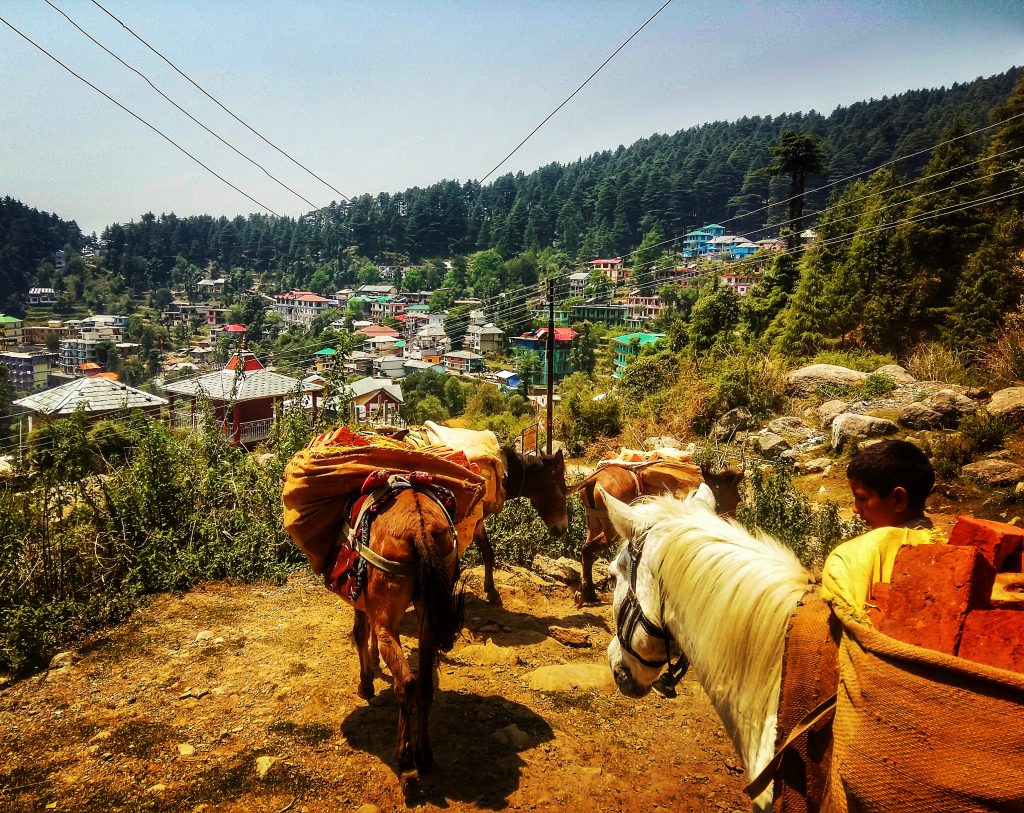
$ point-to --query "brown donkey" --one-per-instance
(627, 483)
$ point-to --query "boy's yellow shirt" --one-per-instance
(854, 566)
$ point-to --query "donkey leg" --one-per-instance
(595, 541)
(487, 554)
(362, 634)
(425, 698)
(405, 693)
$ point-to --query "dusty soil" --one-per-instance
(174, 710)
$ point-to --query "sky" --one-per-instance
(387, 95)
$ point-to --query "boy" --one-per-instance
(890, 481)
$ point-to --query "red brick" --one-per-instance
(998, 542)
(932, 589)
(878, 603)
(995, 637)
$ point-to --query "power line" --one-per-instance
(134, 115)
(220, 104)
(178, 107)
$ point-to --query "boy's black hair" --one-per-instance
(887, 464)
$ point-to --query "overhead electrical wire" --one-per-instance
(219, 103)
(136, 116)
(178, 107)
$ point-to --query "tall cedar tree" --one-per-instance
(797, 156)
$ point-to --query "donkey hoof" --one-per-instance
(493, 597)
(410, 781)
(588, 596)
(366, 690)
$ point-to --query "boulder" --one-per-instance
(850, 426)
(1008, 403)
(994, 472)
(896, 373)
(951, 405)
(920, 416)
(831, 410)
(563, 569)
(789, 425)
(771, 445)
(808, 380)
(815, 466)
(730, 423)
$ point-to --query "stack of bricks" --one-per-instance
(965, 598)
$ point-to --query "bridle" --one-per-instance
(631, 615)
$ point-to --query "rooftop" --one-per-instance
(95, 394)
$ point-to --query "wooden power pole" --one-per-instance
(551, 361)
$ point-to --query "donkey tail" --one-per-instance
(441, 597)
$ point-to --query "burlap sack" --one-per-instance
(919, 731)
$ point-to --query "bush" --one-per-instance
(932, 361)
(518, 534)
(877, 385)
(950, 453)
(777, 508)
(985, 432)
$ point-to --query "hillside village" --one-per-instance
(191, 348)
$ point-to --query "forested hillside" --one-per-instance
(28, 236)
(601, 205)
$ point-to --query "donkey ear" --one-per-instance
(703, 496)
(623, 517)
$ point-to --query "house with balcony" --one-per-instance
(302, 307)
(628, 347)
(98, 397)
(578, 283)
(208, 288)
(484, 339)
(242, 397)
(740, 281)
(42, 296)
(75, 352)
(12, 331)
(376, 400)
(463, 361)
(643, 307)
(695, 243)
(536, 341)
(370, 291)
(611, 315)
(612, 268)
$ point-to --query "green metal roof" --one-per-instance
(327, 351)
(8, 319)
(644, 338)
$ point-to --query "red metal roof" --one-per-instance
(248, 360)
(234, 328)
(562, 334)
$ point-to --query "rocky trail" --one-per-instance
(243, 698)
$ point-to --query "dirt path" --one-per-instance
(179, 709)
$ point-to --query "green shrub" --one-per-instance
(985, 432)
(777, 508)
(950, 453)
(932, 361)
(518, 534)
(877, 385)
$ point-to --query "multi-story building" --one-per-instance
(302, 307)
(29, 369)
(643, 307)
(740, 281)
(464, 361)
(42, 296)
(537, 342)
(578, 283)
(11, 331)
(695, 243)
(484, 339)
(611, 268)
(602, 313)
(628, 347)
(78, 351)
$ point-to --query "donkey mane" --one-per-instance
(727, 596)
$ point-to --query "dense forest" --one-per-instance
(600, 205)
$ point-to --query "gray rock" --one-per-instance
(896, 373)
(994, 472)
(807, 380)
(562, 570)
(815, 466)
(62, 659)
(790, 454)
(1008, 403)
(789, 425)
(850, 426)
(951, 405)
(730, 423)
(771, 445)
(831, 410)
(662, 442)
(920, 416)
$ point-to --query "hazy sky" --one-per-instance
(386, 95)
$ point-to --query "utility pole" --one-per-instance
(551, 360)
